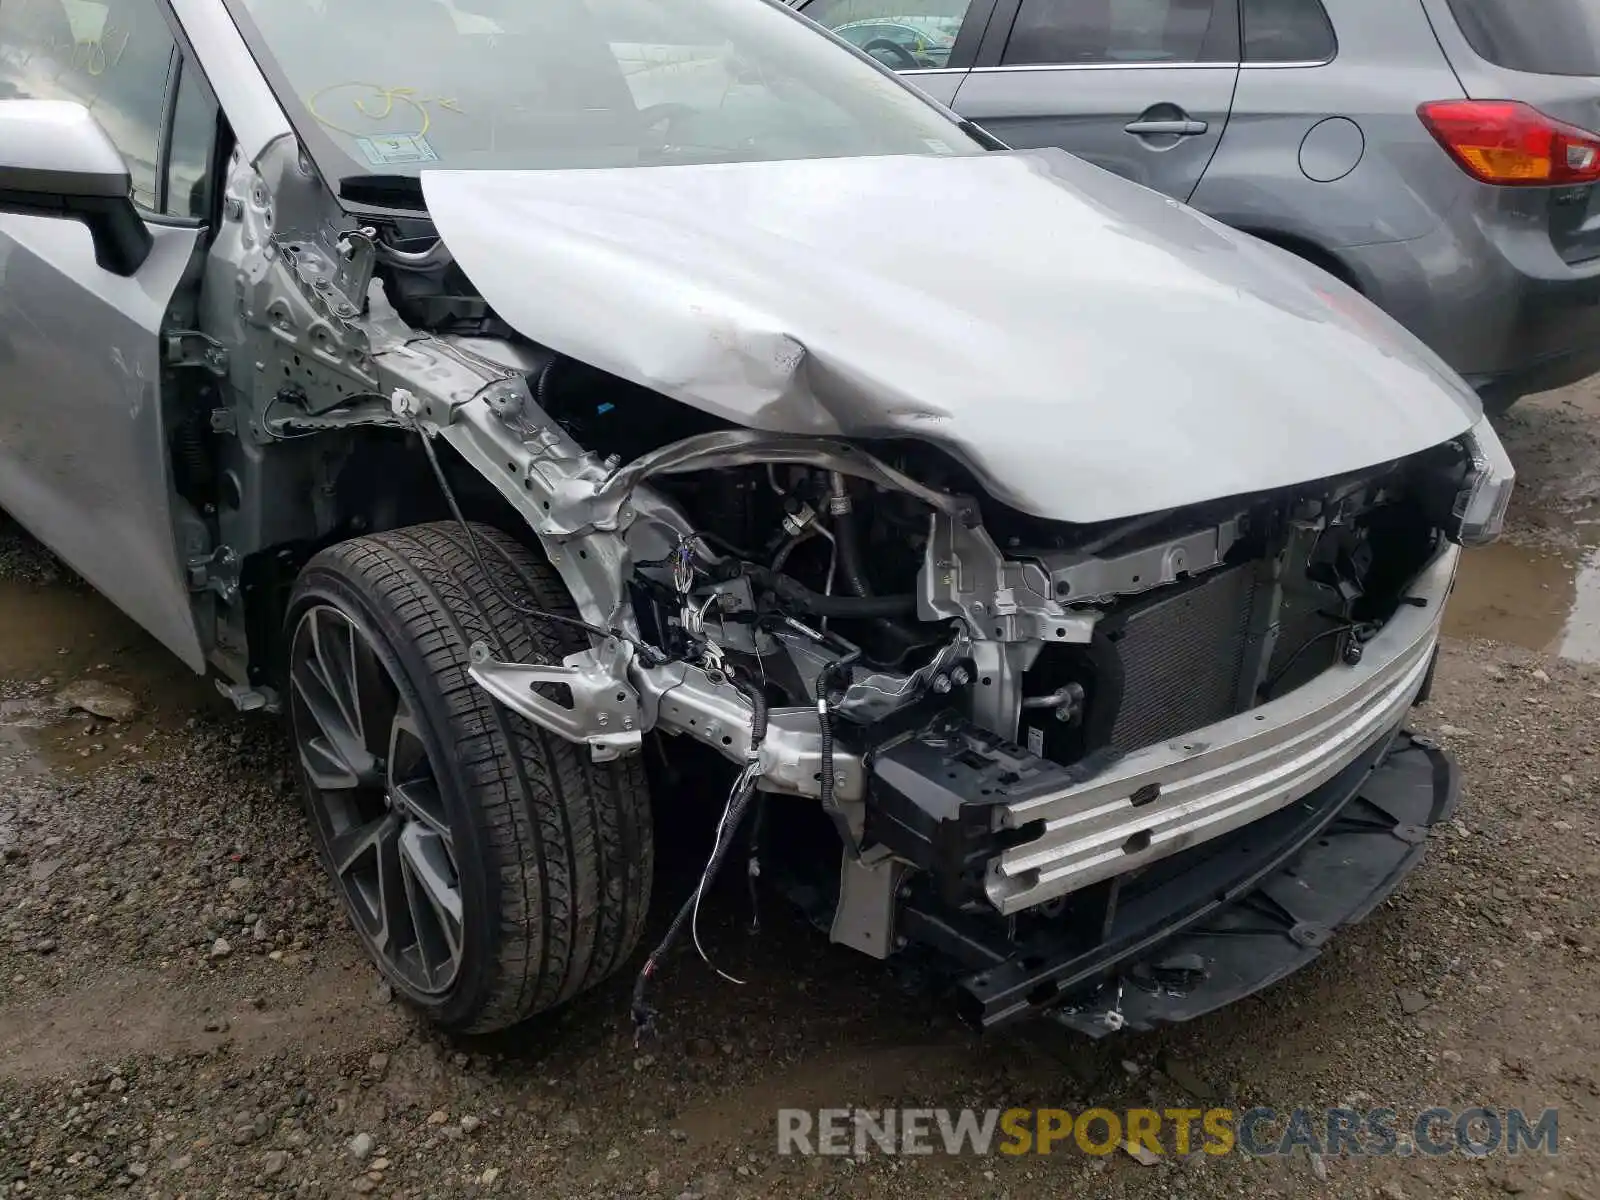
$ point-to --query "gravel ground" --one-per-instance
(183, 1011)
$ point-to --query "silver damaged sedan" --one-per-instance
(1022, 574)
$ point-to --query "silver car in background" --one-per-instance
(1440, 156)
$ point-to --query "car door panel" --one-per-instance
(1148, 99)
(83, 453)
(1177, 115)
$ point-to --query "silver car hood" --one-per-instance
(1090, 349)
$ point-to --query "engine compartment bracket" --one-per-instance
(216, 572)
(604, 713)
(966, 578)
(1094, 578)
(191, 348)
(685, 700)
(869, 886)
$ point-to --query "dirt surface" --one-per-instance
(184, 1012)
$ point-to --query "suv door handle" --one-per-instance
(1183, 128)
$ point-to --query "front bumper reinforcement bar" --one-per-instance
(1224, 919)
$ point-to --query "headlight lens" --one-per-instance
(1480, 508)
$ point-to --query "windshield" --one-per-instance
(397, 86)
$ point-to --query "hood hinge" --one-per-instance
(216, 572)
(191, 348)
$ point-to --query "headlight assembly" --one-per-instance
(1479, 513)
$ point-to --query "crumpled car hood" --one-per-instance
(1090, 349)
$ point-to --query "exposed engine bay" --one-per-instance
(855, 622)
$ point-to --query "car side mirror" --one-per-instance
(56, 161)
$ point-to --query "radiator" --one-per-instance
(1182, 655)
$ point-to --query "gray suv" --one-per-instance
(1437, 155)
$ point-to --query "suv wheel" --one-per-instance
(491, 868)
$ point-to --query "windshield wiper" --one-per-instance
(384, 191)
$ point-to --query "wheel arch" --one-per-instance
(1309, 251)
(382, 482)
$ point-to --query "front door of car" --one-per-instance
(930, 42)
(84, 454)
(1140, 87)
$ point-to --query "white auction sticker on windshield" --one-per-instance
(396, 149)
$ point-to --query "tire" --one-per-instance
(550, 853)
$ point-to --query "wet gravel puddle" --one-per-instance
(1544, 598)
(55, 633)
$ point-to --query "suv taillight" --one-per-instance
(1510, 143)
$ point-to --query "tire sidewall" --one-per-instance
(319, 585)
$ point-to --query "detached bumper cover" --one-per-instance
(1175, 795)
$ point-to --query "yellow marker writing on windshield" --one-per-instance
(377, 103)
(90, 54)
(98, 62)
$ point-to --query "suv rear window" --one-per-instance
(1287, 31)
(1561, 37)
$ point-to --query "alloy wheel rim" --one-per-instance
(376, 798)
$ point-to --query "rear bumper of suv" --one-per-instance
(1499, 390)
(1488, 292)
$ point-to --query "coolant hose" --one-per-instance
(796, 594)
(852, 571)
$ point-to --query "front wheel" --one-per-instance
(491, 868)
